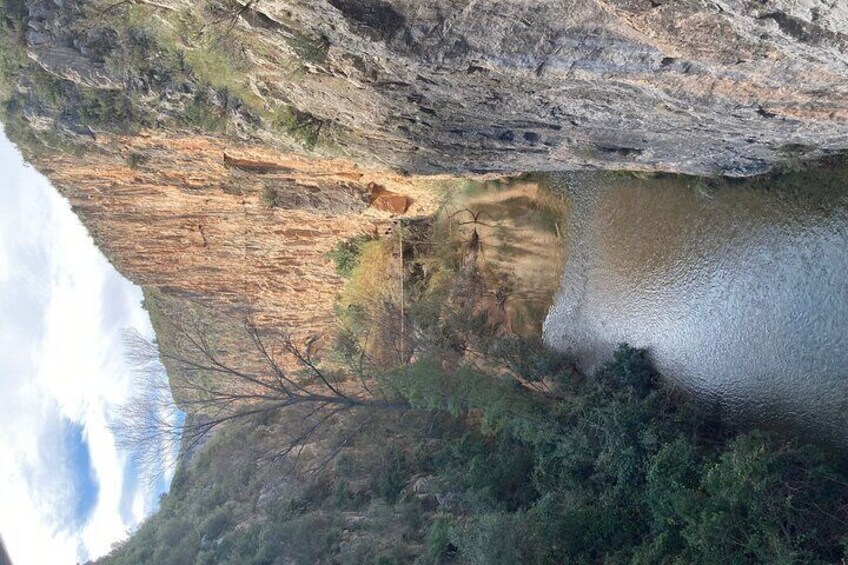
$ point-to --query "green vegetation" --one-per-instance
(12, 54)
(135, 159)
(26, 89)
(268, 196)
(214, 54)
(189, 68)
(210, 53)
(346, 254)
(504, 455)
(163, 49)
(201, 113)
(106, 108)
(301, 126)
(617, 469)
(309, 49)
(15, 67)
(368, 307)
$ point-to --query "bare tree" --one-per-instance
(207, 386)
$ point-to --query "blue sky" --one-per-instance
(83, 478)
(67, 492)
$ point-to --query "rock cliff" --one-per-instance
(194, 220)
(210, 146)
(696, 86)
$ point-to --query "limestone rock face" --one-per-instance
(194, 224)
(729, 87)
(70, 65)
(696, 86)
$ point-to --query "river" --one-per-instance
(739, 290)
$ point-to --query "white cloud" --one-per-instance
(61, 359)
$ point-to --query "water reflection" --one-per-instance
(738, 291)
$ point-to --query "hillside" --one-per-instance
(477, 445)
(219, 150)
(341, 216)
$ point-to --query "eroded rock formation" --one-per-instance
(697, 86)
(193, 220)
(260, 108)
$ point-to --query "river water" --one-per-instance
(738, 290)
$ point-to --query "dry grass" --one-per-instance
(373, 279)
(370, 304)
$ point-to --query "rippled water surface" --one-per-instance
(739, 291)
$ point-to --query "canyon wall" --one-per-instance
(218, 149)
(194, 220)
(730, 87)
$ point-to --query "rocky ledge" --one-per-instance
(730, 87)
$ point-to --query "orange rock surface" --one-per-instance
(190, 220)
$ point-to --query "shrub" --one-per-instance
(345, 254)
(617, 470)
(528, 358)
(15, 10)
(301, 126)
(202, 113)
(216, 524)
(309, 49)
(438, 545)
(392, 476)
(106, 108)
(268, 196)
(498, 539)
(136, 160)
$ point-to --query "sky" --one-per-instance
(67, 493)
